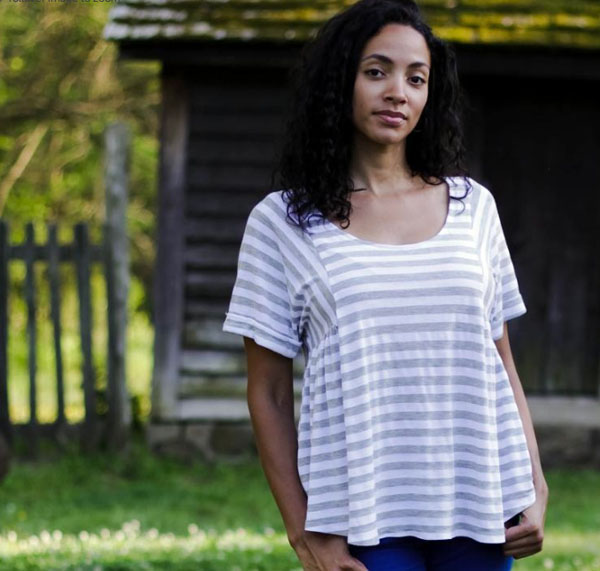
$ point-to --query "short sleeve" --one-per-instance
(260, 302)
(508, 302)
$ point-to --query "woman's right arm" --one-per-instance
(271, 404)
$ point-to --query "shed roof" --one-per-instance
(568, 23)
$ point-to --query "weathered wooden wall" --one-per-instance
(533, 141)
(539, 152)
(235, 127)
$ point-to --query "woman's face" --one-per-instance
(391, 85)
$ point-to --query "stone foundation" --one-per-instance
(208, 440)
(567, 431)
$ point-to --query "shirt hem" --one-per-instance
(481, 538)
(498, 328)
(427, 537)
(262, 337)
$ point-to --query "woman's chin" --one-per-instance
(384, 141)
(381, 137)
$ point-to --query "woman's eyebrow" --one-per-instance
(380, 57)
(387, 60)
(419, 64)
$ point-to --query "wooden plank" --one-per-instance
(204, 308)
(231, 177)
(31, 335)
(205, 331)
(527, 62)
(54, 282)
(5, 425)
(228, 409)
(227, 232)
(169, 286)
(231, 159)
(227, 96)
(212, 284)
(207, 202)
(474, 129)
(211, 386)
(210, 256)
(225, 409)
(208, 150)
(116, 267)
(89, 434)
(232, 124)
(207, 361)
(193, 386)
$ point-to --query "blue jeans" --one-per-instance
(415, 554)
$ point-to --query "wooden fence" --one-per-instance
(112, 255)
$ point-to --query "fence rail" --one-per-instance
(112, 255)
(81, 254)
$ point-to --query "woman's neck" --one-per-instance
(381, 169)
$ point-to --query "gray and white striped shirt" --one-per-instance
(408, 422)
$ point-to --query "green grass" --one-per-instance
(141, 512)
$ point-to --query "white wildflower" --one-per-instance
(57, 535)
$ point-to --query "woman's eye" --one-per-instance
(418, 80)
(374, 72)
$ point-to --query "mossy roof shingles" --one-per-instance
(569, 23)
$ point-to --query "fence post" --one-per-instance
(89, 436)
(5, 427)
(31, 334)
(54, 279)
(116, 259)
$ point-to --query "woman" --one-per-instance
(387, 266)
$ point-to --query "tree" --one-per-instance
(60, 85)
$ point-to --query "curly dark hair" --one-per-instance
(315, 156)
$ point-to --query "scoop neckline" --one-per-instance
(439, 233)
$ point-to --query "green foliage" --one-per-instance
(136, 511)
(60, 86)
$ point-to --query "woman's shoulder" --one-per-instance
(270, 210)
(271, 204)
(470, 190)
(273, 211)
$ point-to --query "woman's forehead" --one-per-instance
(397, 43)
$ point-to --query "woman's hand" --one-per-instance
(325, 552)
(527, 537)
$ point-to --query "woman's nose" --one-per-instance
(396, 92)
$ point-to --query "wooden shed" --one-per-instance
(532, 74)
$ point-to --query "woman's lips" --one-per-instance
(394, 119)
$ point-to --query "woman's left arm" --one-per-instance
(525, 538)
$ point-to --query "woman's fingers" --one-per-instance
(523, 539)
(353, 565)
(519, 531)
(327, 552)
(525, 551)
